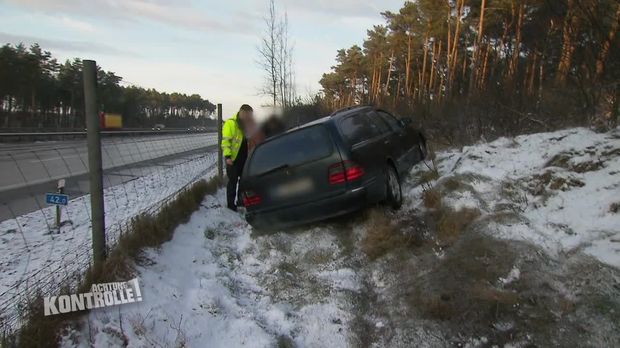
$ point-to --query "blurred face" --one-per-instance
(245, 115)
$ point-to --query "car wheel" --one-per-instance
(394, 191)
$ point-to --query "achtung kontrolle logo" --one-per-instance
(100, 295)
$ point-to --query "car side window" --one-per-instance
(379, 125)
(357, 128)
(391, 120)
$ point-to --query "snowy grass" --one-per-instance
(560, 186)
(529, 262)
(145, 231)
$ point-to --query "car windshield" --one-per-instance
(302, 146)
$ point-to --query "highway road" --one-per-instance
(30, 169)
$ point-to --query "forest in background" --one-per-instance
(478, 69)
(36, 91)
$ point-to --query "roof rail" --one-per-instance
(349, 108)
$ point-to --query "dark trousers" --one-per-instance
(234, 174)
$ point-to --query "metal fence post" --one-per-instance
(94, 161)
(220, 160)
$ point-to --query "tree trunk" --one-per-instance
(457, 33)
(397, 92)
(516, 51)
(7, 118)
(379, 80)
(477, 47)
(387, 82)
(604, 51)
(436, 67)
(408, 65)
(568, 46)
(482, 77)
(422, 84)
(532, 75)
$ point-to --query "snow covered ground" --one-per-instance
(36, 256)
(562, 185)
(216, 285)
(539, 266)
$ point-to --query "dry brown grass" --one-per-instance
(145, 231)
(540, 184)
(452, 184)
(487, 294)
(451, 223)
(563, 160)
(381, 236)
(432, 198)
(461, 285)
(429, 176)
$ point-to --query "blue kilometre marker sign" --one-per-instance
(56, 198)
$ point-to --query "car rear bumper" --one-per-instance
(347, 202)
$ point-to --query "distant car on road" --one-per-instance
(158, 127)
(351, 159)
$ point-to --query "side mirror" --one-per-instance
(405, 121)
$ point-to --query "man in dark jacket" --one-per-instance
(273, 126)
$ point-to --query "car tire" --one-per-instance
(394, 194)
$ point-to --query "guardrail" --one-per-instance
(18, 136)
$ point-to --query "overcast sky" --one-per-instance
(202, 46)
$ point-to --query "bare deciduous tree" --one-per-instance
(276, 59)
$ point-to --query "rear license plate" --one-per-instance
(294, 188)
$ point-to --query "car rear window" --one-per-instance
(302, 146)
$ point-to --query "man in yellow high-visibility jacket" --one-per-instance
(235, 150)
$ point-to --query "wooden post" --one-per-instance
(94, 161)
(220, 159)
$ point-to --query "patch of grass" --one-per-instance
(563, 160)
(381, 236)
(429, 176)
(611, 153)
(614, 208)
(432, 174)
(451, 223)
(488, 294)
(318, 256)
(432, 198)
(463, 283)
(560, 160)
(452, 184)
(589, 166)
(540, 184)
(145, 231)
(385, 235)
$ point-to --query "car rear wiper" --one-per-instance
(274, 169)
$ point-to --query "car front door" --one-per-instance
(400, 141)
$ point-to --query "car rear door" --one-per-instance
(292, 169)
(367, 147)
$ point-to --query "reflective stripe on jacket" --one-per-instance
(232, 137)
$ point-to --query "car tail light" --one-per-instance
(344, 171)
(250, 198)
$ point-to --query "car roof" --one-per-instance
(336, 114)
(350, 110)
